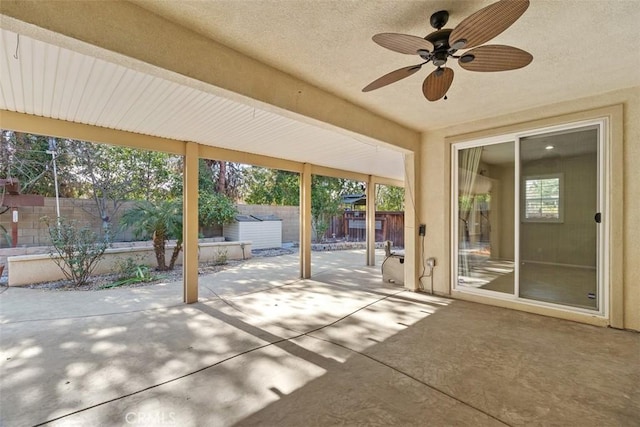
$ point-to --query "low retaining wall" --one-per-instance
(29, 269)
(5, 253)
(342, 246)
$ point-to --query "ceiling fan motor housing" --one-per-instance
(440, 41)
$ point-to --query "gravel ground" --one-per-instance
(101, 282)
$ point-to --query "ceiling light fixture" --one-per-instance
(549, 147)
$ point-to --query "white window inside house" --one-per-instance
(542, 198)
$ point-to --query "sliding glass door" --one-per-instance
(486, 217)
(558, 228)
(527, 217)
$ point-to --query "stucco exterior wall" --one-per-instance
(435, 204)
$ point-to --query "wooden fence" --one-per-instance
(352, 226)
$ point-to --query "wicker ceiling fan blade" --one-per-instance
(495, 58)
(437, 83)
(391, 77)
(487, 23)
(403, 43)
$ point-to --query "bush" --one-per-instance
(6, 236)
(76, 250)
(215, 209)
(130, 272)
(129, 267)
(221, 257)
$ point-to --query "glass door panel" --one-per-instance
(558, 233)
(486, 211)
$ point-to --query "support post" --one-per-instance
(371, 221)
(190, 223)
(305, 222)
(412, 249)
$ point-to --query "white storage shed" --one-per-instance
(263, 231)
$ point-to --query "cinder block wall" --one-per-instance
(33, 232)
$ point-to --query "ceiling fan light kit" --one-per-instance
(441, 45)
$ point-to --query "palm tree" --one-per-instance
(161, 221)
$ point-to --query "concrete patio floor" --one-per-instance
(262, 348)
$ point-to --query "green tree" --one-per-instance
(223, 177)
(108, 174)
(265, 186)
(162, 221)
(111, 175)
(214, 209)
(325, 203)
(276, 187)
(159, 221)
(326, 200)
(389, 198)
(24, 156)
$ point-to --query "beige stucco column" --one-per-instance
(305, 222)
(190, 223)
(412, 249)
(371, 221)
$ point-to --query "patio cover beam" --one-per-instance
(338, 173)
(215, 153)
(28, 123)
(387, 181)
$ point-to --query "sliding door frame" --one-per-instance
(603, 200)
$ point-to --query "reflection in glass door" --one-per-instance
(486, 217)
(558, 233)
(527, 217)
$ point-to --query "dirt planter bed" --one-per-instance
(30, 269)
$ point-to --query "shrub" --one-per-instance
(6, 236)
(129, 267)
(215, 209)
(76, 250)
(221, 257)
(126, 267)
(130, 272)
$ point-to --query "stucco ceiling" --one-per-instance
(580, 48)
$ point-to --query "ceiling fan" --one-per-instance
(443, 44)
